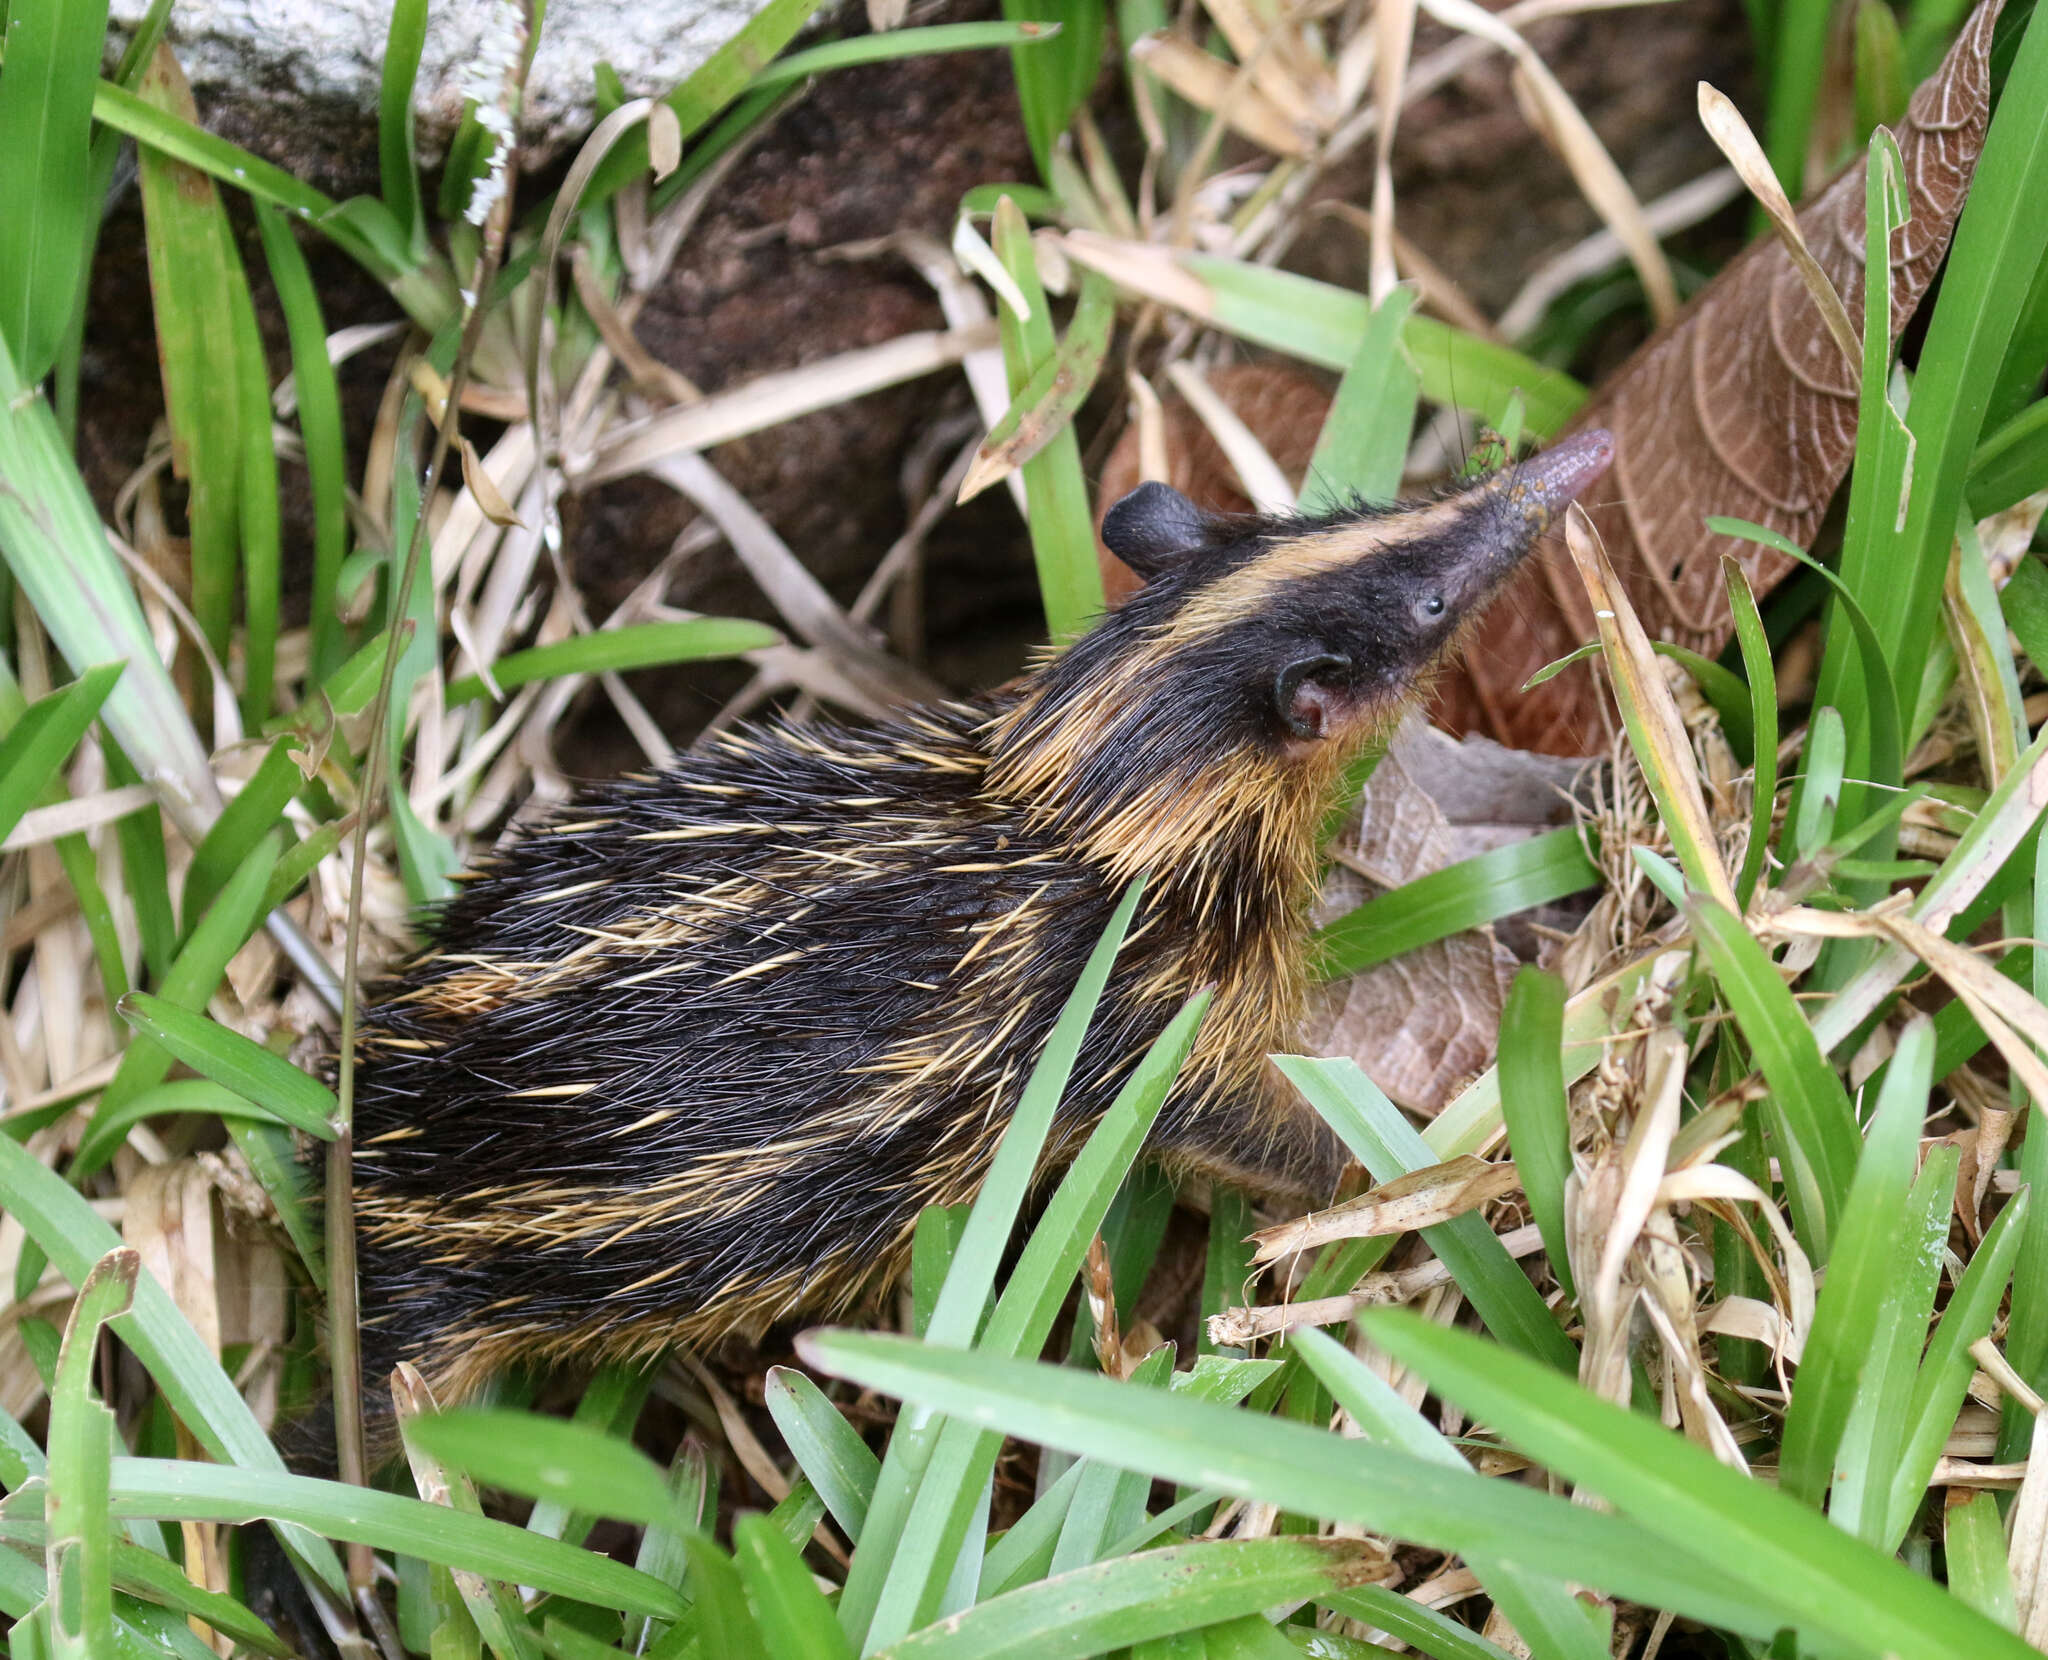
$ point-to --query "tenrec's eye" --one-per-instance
(1434, 605)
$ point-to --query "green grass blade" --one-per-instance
(1543, 1610)
(1880, 730)
(1791, 1559)
(80, 1551)
(1045, 405)
(928, 41)
(1800, 41)
(965, 1293)
(256, 501)
(1999, 246)
(81, 870)
(1846, 1315)
(1054, 76)
(1422, 1628)
(199, 1096)
(1826, 760)
(397, 169)
(725, 1623)
(54, 543)
(1881, 86)
(1484, 888)
(1945, 1374)
(1974, 1544)
(42, 740)
(145, 869)
(2011, 464)
(1807, 1110)
(826, 1447)
(1107, 1503)
(196, 282)
(265, 1080)
(1364, 441)
(613, 650)
(274, 1162)
(46, 197)
(1059, 518)
(1534, 1107)
(1373, 1128)
(197, 970)
(64, 1224)
(1305, 1470)
(143, 1573)
(1324, 324)
(319, 402)
(176, 1490)
(611, 1403)
(795, 1619)
(156, 130)
(259, 805)
(1763, 707)
(1110, 1605)
(711, 86)
(576, 1465)
(928, 1542)
(1227, 1270)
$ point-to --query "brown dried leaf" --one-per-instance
(1420, 1199)
(1743, 406)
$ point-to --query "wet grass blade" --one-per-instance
(1534, 1107)
(1484, 888)
(1790, 1559)
(79, 1553)
(1380, 1138)
(46, 196)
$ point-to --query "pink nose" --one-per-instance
(1545, 484)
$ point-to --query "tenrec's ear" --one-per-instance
(1153, 529)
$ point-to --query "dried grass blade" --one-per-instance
(1655, 728)
(1726, 127)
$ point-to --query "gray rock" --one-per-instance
(331, 53)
